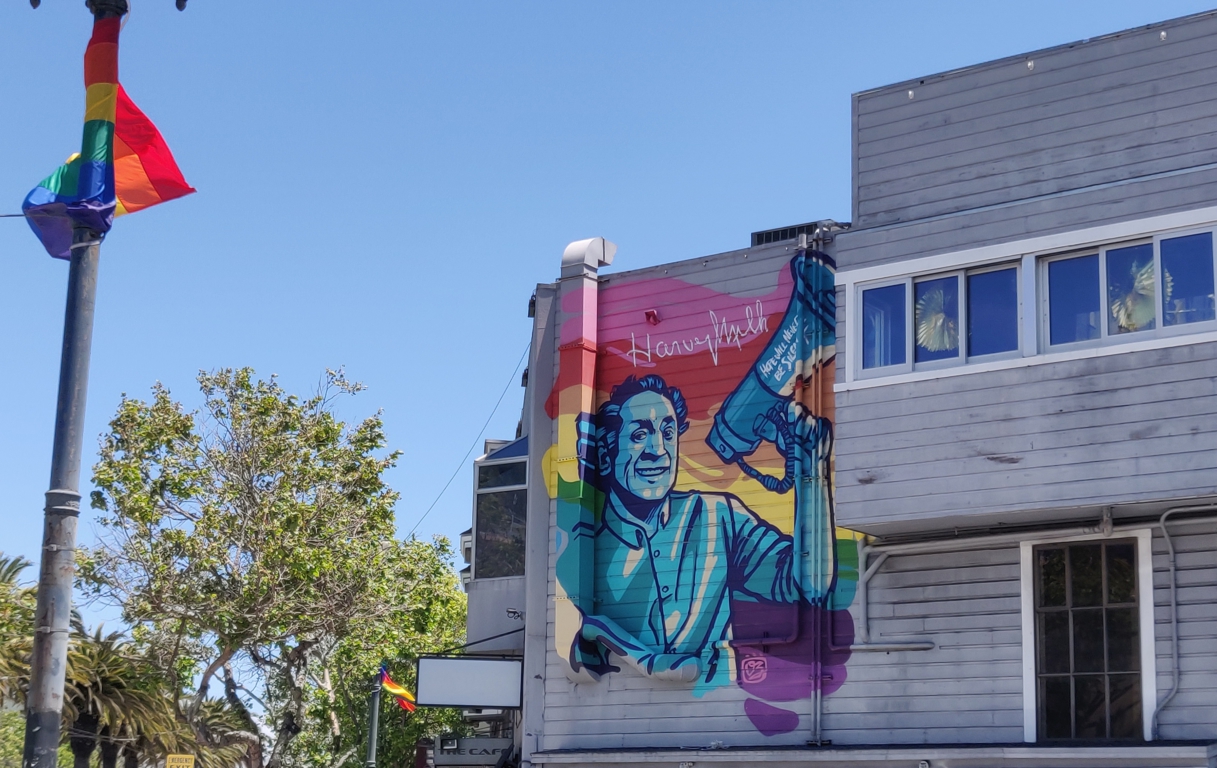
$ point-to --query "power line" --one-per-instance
(461, 465)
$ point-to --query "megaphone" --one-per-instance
(757, 407)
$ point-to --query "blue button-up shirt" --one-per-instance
(669, 581)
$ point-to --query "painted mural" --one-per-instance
(693, 477)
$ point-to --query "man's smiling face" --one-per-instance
(645, 465)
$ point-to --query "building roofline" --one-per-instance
(939, 76)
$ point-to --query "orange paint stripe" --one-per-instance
(132, 186)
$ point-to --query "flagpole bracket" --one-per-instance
(107, 9)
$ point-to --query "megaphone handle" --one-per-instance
(771, 483)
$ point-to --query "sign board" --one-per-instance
(469, 681)
(179, 761)
(479, 751)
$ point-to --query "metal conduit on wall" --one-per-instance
(951, 545)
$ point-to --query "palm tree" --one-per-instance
(117, 697)
(16, 623)
(116, 701)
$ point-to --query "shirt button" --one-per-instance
(655, 553)
(665, 590)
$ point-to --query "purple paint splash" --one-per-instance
(770, 721)
(785, 669)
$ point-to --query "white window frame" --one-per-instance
(478, 491)
(1145, 624)
(887, 370)
(1031, 252)
(1105, 338)
(962, 358)
(1012, 354)
(1183, 328)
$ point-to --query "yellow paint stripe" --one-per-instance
(101, 102)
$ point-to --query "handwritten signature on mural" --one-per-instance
(722, 332)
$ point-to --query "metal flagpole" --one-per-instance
(373, 724)
(62, 511)
(58, 566)
(58, 560)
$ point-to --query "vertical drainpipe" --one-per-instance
(578, 294)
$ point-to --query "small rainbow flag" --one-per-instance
(404, 698)
(123, 166)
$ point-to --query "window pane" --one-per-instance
(1088, 640)
(1187, 279)
(937, 319)
(1125, 706)
(1052, 577)
(1123, 650)
(1131, 295)
(1086, 564)
(883, 320)
(1073, 299)
(1090, 707)
(498, 475)
(499, 549)
(1057, 708)
(993, 312)
(1121, 574)
(1054, 642)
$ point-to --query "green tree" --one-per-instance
(425, 614)
(16, 629)
(113, 697)
(246, 541)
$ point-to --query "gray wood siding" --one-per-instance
(1190, 715)
(958, 451)
(1108, 110)
(1063, 212)
(969, 688)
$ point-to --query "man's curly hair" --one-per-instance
(608, 418)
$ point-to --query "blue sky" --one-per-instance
(381, 184)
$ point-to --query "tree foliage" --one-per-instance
(251, 545)
(115, 698)
(427, 615)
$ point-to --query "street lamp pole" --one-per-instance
(57, 569)
(373, 724)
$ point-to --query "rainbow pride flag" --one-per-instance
(123, 166)
(404, 698)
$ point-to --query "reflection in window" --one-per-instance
(1073, 299)
(500, 475)
(993, 312)
(1131, 292)
(499, 548)
(936, 319)
(1088, 653)
(1187, 279)
(883, 321)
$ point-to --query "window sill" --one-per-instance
(1159, 342)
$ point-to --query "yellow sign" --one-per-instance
(179, 761)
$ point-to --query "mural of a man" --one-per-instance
(669, 563)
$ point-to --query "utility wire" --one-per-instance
(461, 466)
